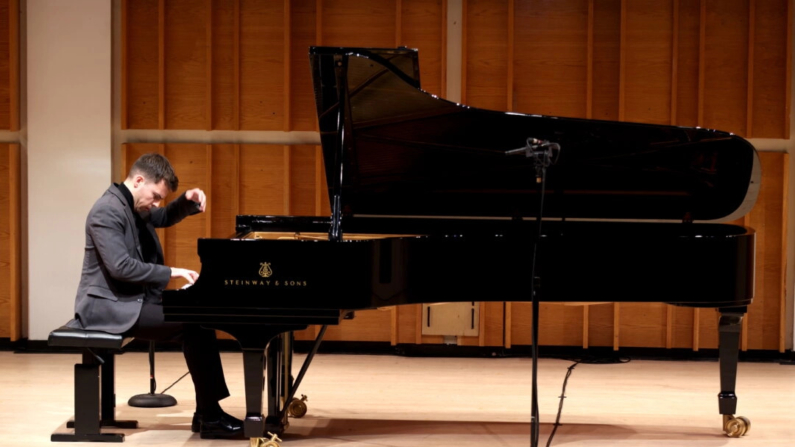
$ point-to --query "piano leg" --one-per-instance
(729, 329)
(276, 365)
(261, 357)
(253, 369)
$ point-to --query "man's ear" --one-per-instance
(138, 180)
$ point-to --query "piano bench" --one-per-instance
(95, 395)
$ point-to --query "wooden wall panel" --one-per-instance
(768, 216)
(5, 254)
(682, 327)
(769, 70)
(185, 65)
(358, 23)
(303, 181)
(683, 62)
(6, 46)
(243, 64)
(647, 63)
(224, 202)
(225, 65)
(606, 58)
(303, 28)
(408, 324)
(686, 78)
(485, 58)
(559, 325)
(551, 57)
(262, 179)
(707, 328)
(10, 310)
(367, 325)
(642, 325)
(140, 65)
(422, 27)
(261, 65)
(601, 324)
(725, 66)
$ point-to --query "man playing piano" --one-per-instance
(123, 278)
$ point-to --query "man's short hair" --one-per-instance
(154, 168)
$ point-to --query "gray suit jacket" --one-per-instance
(115, 279)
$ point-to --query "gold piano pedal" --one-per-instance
(735, 427)
(265, 442)
(297, 407)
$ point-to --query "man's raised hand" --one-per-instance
(198, 196)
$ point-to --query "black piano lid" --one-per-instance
(410, 153)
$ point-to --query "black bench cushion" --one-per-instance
(81, 338)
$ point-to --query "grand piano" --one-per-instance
(437, 201)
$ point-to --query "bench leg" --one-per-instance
(87, 423)
(108, 399)
(95, 402)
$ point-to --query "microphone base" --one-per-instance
(152, 400)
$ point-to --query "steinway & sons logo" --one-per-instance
(265, 271)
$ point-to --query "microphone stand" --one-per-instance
(544, 154)
(152, 400)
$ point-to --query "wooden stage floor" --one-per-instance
(391, 401)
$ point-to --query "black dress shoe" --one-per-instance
(225, 427)
(196, 423)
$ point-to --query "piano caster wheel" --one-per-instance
(265, 442)
(736, 427)
(297, 407)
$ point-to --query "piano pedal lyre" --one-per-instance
(736, 427)
(297, 407)
(265, 442)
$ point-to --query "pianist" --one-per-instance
(123, 278)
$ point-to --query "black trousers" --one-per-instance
(199, 345)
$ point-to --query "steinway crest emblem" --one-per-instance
(265, 270)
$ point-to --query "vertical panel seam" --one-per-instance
(236, 192)
(161, 58)
(124, 65)
(443, 55)
(208, 216)
(464, 50)
(236, 63)
(511, 55)
(696, 328)
(749, 107)
(782, 345)
(622, 60)
(616, 325)
(287, 124)
(674, 63)
(702, 48)
(209, 66)
(788, 82)
(13, 65)
(14, 241)
(287, 179)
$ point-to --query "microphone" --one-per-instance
(543, 152)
